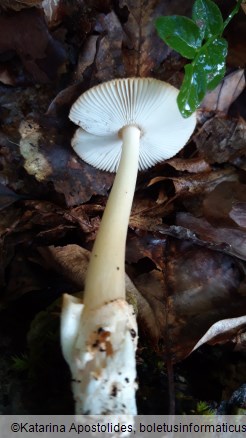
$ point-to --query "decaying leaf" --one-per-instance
(238, 213)
(72, 261)
(6, 76)
(221, 98)
(26, 34)
(7, 197)
(196, 183)
(143, 50)
(17, 5)
(230, 240)
(196, 289)
(108, 59)
(190, 165)
(49, 158)
(226, 204)
(222, 330)
(221, 139)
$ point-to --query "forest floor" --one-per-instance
(186, 248)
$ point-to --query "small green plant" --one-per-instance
(200, 40)
(203, 408)
(20, 363)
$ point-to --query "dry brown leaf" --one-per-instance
(6, 76)
(7, 197)
(189, 185)
(108, 60)
(87, 56)
(147, 212)
(191, 165)
(226, 202)
(230, 240)
(221, 98)
(221, 139)
(26, 34)
(49, 158)
(143, 50)
(197, 288)
(238, 213)
(72, 261)
(17, 5)
(146, 246)
(223, 330)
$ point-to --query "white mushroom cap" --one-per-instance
(148, 103)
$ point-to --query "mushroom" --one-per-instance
(126, 125)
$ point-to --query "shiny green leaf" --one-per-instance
(181, 34)
(212, 60)
(208, 17)
(192, 91)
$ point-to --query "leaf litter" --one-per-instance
(186, 253)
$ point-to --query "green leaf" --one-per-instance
(208, 17)
(204, 73)
(180, 33)
(192, 91)
(212, 59)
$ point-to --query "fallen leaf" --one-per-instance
(143, 50)
(221, 139)
(190, 185)
(147, 212)
(226, 202)
(108, 59)
(87, 56)
(8, 197)
(6, 76)
(72, 261)
(190, 165)
(49, 158)
(197, 288)
(238, 213)
(18, 5)
(26, 34)
(222, 97)
(146, 246)
(230, 240)
(222, 330)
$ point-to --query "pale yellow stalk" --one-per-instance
(105, 280)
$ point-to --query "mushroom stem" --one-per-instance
(105, 279)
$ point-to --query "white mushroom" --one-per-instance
(126, 125)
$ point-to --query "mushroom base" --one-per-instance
(101, 355)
